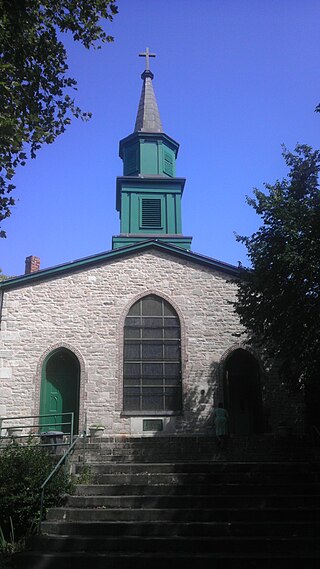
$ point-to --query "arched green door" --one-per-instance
(60, 390)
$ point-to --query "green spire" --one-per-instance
(149, 194)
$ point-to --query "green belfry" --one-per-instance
(148, 194)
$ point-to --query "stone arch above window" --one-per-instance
(152, 358)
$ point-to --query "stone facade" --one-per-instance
(85, 310)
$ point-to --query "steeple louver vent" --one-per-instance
(151, 213)
(168, 164)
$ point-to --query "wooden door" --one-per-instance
(60, 391)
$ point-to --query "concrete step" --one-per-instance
(195, 489)
(174, 528)
(201, 501)
(182, 544)
(191, 453)
(282, 473)
(92, 520)
(193, 441)
(221, 467)
(182, 478)
(219, 560)
(201, 447)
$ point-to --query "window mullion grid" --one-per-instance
(163, 358)
(140, 364)
(163, 362)
(163, 322)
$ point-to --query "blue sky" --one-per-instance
(234, 81)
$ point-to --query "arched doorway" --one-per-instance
(60, 389)
(242, 393)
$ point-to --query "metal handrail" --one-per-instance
(39, 425)
(17, 422)
(52, 473)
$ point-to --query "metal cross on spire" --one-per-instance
(147, 54)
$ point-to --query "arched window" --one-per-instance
(152, 358)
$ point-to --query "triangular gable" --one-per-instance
(105, 257)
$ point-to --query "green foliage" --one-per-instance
(278, 300)
(23, 468)
(85, 475)
(3, 277)
(7, 546)
(35, 101)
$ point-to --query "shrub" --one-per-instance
(23, 468)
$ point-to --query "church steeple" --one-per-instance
(148, 193)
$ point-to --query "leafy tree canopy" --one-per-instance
(2, 276)
(35, 101)
(278, 299)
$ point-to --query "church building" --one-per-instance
(143, 338)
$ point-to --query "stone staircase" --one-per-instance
(179, 500)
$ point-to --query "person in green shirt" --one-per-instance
(220, 420)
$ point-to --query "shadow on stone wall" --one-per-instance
(197, 405)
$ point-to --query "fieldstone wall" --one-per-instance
(85, 312)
